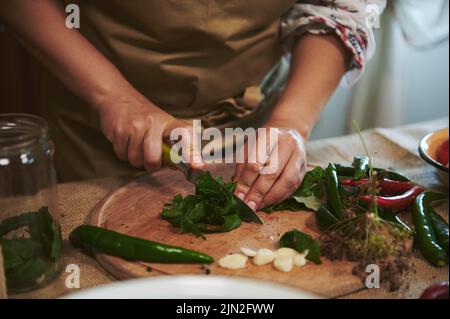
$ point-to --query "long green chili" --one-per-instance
(440, 228)
(334, 200)
(425, 234)
(350, 171)
(132, 248)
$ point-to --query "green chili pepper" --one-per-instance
(390, 216)
(440, 228)
(132, 248)
(425, 234)
(334, 200)
(324, 218)
(395, 176)
(350, 171)
(361, 165)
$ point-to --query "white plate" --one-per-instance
(192, 287)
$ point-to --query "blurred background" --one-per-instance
(407, 81)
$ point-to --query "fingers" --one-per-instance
(120, 142)
(238, 171)
(139, 143)
(249, 172)
(272, 181)
(287, 183)
(152, 148)
(277, 162)
(135, 153)
(189, 142)
(241, 159)
(193, 151)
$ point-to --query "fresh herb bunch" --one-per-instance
(212, 209)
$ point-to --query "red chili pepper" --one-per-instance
(438, 291)
(395, 203)
(353, 183)
(388, 186)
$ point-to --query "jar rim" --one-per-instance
(18, 130)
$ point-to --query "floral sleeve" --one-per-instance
(351, 20)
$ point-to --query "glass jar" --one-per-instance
(30, 235)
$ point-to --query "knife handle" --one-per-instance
(167, 159)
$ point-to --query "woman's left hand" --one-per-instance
(260, 187)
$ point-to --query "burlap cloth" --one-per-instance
(393, 147)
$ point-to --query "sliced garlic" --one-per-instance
(285, 264)
(233, 261)
(263, 256)
(300, 260)
(285, 252)
(248, 252)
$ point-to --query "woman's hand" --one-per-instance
(260, 187)
(136, 128)
(317, 65)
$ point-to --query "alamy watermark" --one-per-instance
(73, 19)
(235, 145)
(373, 277)
(73, 277)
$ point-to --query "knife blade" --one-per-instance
(246, 213)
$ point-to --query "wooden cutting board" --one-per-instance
(134, 210)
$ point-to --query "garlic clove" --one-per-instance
(300, 260)
(248, 252)
(233, 261)
(263, 256)
(285, 264)
(285, 252)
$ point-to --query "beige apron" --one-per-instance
(193, 58)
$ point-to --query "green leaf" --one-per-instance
(300, 242)
(32, 272)
(307, 197)
(310, 202)
(289, 204)
(27, 260)
(311, 184)
(230, 222)
(17, 251)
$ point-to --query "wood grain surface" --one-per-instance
(134, 209)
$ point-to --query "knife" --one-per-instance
(246, 213)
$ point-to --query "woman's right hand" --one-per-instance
(136, 128)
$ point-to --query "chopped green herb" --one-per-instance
(212, 209)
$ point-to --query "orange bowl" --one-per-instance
(428, 149)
